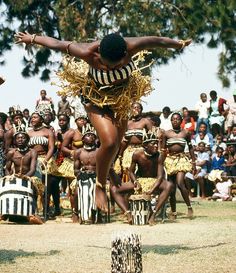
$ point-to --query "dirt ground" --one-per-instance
(204, 244)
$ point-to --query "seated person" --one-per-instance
(23, 160)
(232, 136)
(147, 173)
(202, 159)
(230, 163)
(202, 135)
(217, 164)
(219, 142)
(223, 189)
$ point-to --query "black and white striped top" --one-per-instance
(134, 132)
(176, 140)
(109, 77)
(38, 140)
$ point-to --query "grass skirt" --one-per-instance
(146, 183)
(177, 163)
(74, 80)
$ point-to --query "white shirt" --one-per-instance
(165, 123)
(202, 108)
(232, 106)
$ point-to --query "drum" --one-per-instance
(86, 196)
(140, 207)
(16, 197)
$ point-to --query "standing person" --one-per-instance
(16, 122)
(26, 117)
(132, 140)
(44, 102)
(202, 159)
(188, 122)
(56, 177)
(202, 107)
(3, 119)
(177, 163)
(111, 66)
(165, 119)
(23, 160)
(42, 141)
(217, 112)
(48, 120)
(72, 140)
(63, 105)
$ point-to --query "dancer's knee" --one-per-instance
(110, 145)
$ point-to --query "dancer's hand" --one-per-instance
(184, 43)
(188, 42)
(23, 37)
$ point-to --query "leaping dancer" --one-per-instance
(108, 86)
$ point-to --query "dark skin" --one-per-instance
(177, 132)
(136, 122)
(8, 137)
(151, 166)
(39, 130)
(24, 162)
(106, 125)
(200, 180)
(85, 159)
(63, 105)
(73, 135)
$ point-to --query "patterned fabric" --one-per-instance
(177, 163)
(86, 195)
(134, 132)
(176, 140)
(109, 77)
(75, 77)
(38, 140)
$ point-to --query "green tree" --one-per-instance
(205, 21)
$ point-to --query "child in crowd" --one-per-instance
(232, 136)
(217, 165)
(223, 189)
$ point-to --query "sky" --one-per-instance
(179, 83)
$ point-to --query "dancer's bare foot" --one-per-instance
(75, 217)
(152, 221)
(101, 198)
(128, 217)
(112, 209)
(35, 219)
(190, 212)
(173, 216)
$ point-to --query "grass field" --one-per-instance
(205, 244)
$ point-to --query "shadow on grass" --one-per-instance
(173, 249)
(9, 256)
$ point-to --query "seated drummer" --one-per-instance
(147, 172)
(21, 162)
